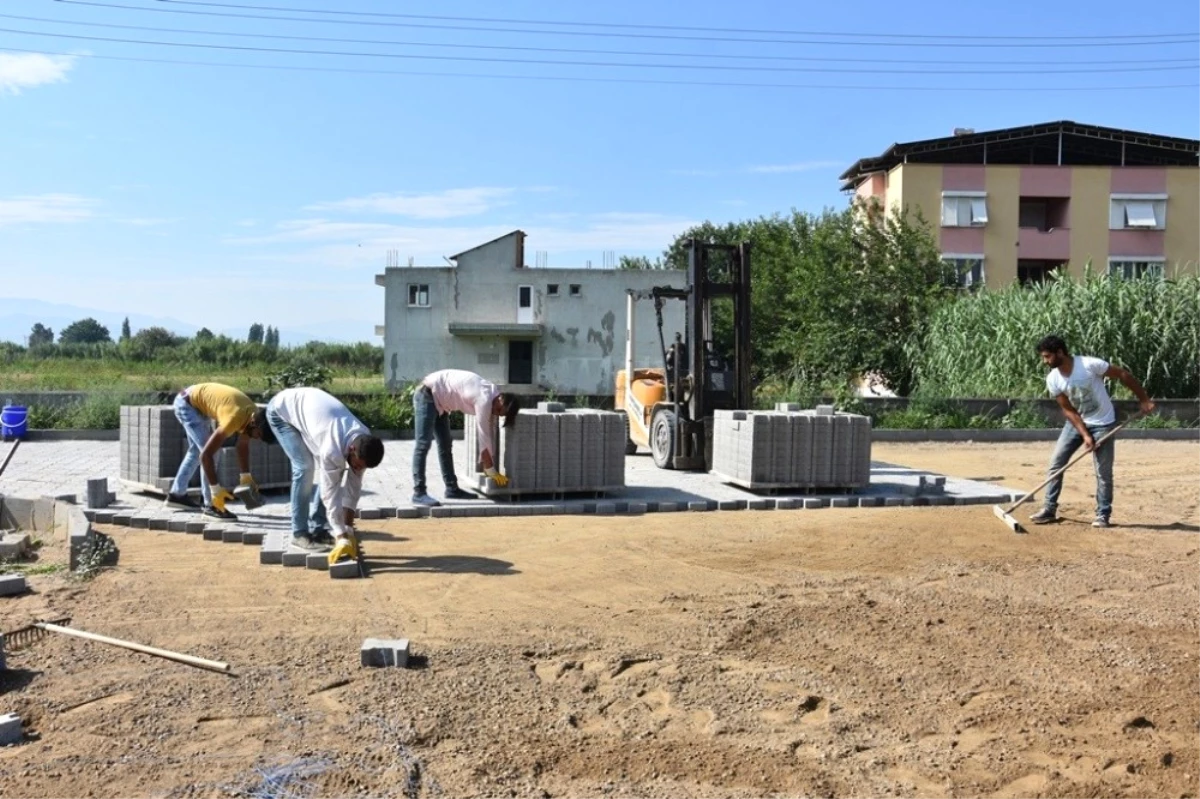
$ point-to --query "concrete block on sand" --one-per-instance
(383, 652)
(12, 584)
(10, 729)
(344, 570)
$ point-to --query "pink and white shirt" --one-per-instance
(460, 390)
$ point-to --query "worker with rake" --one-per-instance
(1077, 382)
(210, 413)
(456, 390)
(329, 449)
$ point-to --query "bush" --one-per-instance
(385, 411)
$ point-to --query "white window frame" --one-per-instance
(1132, 211)
(415, 292)
(965, 276)
(964, 209)
(1121, 266)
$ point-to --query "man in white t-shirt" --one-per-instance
(456, 390)
(1077, 382)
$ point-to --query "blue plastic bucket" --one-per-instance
(13, 421)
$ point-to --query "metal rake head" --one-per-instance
(26, 636)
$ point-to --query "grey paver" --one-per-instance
(344, 570)
(12, 584)
(381, 652)
(10, 729)
(214, 533)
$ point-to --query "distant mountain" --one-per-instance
(18, 316)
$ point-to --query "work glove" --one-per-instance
(500, 480)
(344, 548)
(219, 497)
(247, 479)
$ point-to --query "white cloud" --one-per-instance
(45, 208)
(25, 70)
(800, 166)
(441, 205)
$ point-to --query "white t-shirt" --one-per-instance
(1085, 390)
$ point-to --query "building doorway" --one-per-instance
(520, 362)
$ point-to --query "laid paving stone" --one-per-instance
(386, 512)
(194, 528)
(253, 537)
(698, 505)
(293, 557)
(381, 652)
(669, 507)
(272, 550)
(157, 524)
(788, 504)
(317, 561)
(893, 502)
(606, 508)
(13, 544)
(89, 514)
(636, 508)
(731, 504)
(941, 500)
(214, 533)
(232, 536)
(370, 513)
(140, 522)
(103, 517)
(122, 519)
(177, 525)
(842, 502)
(442, 512)
(870, 502)
(760, 504)
(815, 502)
(408, 513)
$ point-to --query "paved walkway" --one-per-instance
(59, 468)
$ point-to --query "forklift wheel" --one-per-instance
(662, 439)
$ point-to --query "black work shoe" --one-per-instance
(458, 493)
(321, 537)
(223, 515)
(306, 543)
(1044, 516)
(181, 502)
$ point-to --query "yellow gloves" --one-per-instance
(343, 549)
(247, 479)
(219, 497)
(500, 480)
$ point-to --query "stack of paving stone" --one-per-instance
(153, 444)
(792, 449)
(552, 450)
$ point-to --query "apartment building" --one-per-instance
(1021, 203)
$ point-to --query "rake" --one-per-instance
(27, 635)
(1005, 514)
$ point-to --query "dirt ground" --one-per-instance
(872, 652)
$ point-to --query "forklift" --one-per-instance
(669, 409)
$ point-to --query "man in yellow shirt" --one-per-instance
(211, 413)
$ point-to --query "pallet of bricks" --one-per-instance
(153, 444)
(793, 449)
(551, 451)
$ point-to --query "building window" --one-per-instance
(964, 271)
(1137, 212)
(1133, 269)
(576, 290)
(964, 209)
(552, 290)
(418, 295)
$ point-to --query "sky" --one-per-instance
(234, 161)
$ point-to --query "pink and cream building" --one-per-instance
(1019, 203)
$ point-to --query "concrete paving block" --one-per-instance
(760, 504)
(232, 535)
(870, 502)
(551, 407)
(941, 500)
(140, 522)
(383, 652)
(731, 504)
(253, 537)
(698, 505)
(293, 557)
(194, 528)
(271, 553)
(636, 508)
(158, 524)
(918, 501)
(370, 513)
(317, 561)
(667, 507)
(214, 533)
(842, 502)
(103, 517)
(788, 504)
(89, 514)
(387, 512)
(574, 510)
(122, 519)
(815, 502)
(442, 512)
(606, 508)
(177, 525)
(343, 570)
(12, 584)
(10, 729)
(13, 544)
(893, 502)
(408, 513)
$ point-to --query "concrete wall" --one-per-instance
(1183, 211)
(577, 337)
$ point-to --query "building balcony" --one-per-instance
(496, 329)
(1044, 245)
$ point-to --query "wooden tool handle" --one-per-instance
(212, 665)
(1071, 463)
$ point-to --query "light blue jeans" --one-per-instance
(198, 428)
(430, 426)
(1102, 459)
(308, 512)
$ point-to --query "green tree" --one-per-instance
(256, 334)
(204, 334)
(40, 335)
(85, 331)
(126, 333)
(639, 262)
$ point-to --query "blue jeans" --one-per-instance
(308, 512)
(198, 428)
(430, 426)
(1102, 459)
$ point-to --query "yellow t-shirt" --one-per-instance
(229, 408)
